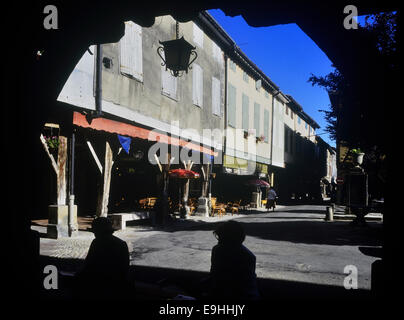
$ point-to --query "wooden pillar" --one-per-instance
(59, 167)
(58, 214)
(61, 171)
(102, 205)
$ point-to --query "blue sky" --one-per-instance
(288, 57)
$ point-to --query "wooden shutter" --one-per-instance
(198, 36)
(131, 51)
(245, 119)
(266, 125)
(217, 53)
(168, 83)
(197, 85)
(231, 118)
(257, 112)
(216, 96)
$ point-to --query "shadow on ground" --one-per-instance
(309, 232)
(188, 280)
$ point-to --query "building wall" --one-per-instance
(259, 116)
(142, 99)
(278, 148)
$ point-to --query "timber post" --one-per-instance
(103, 199)
(58, 213)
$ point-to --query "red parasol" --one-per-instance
(258, 183)
(183, 174)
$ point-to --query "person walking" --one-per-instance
(271, 199)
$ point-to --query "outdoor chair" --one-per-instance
(150, 203)
(234, 206)
(192, 205)
(143, 204)
(218, 208)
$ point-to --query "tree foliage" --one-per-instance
(381, 30)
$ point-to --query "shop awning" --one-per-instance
(125, 129)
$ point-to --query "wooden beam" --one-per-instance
(52, 159)
(97, 161)
(102, 207)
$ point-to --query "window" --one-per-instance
(286, 110)
(266, 125)
(198, 36)
(298, 119)
(216, 97)
(258, 85)
(257, 111)
(217, 53)
(305, 125)
(266, 94)
(245, 119)
(232, 65)
(245, 76)
(168, 83)
(291, 114)
(131, 63)
(197, 85)
(231, 100)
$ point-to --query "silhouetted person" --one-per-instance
(106, 267)
(232, 272)
(271, 199)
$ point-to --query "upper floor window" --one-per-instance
(298, 119)
(245, 112)
(258, 85)
(245, 76)
(257, 119)
(216, 97)
(231, 105)
(291, 114)
(232, 65)
(286, 110)
(198, 36)
(197, 85)
(168, 83)
(131, 59)
(266, 94)
(217, 52)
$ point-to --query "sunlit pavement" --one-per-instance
(293, 243)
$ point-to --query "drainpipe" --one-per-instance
(98, 82)
(225, 105)
(72, 226)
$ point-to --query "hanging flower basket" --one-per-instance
(52, 142)
(357, 156)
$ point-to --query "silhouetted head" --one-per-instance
(102, 227)
(230, 232)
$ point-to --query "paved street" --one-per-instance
(293, 243)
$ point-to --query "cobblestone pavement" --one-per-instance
(77, 247)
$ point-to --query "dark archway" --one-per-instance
(32, 85)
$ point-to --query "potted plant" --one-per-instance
(357, 155)
(52, 142)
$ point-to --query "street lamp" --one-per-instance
(177, 54)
